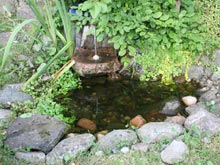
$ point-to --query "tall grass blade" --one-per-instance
(10, 41)
(44, 68)
(66, 24)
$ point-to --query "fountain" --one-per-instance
(94, 62)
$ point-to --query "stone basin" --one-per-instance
(86, 66)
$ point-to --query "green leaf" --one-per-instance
(96, 10)
(86, 5)
(132, 50)
(164, 17)
(122, 52)
(116, 45)
(157, 14)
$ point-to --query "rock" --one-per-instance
(171, 107)
(4, 36)
(10, 96)
(16, 86)
(204, 122)
(117, 139)
(137, 121)
(125, 150)
(87, 124)
(11, 6)
(195, 72)
(149, 132)
(69, 148)
(209, 95)
(5, 116)
(176, 119)
(189, 100)
(216, 56)
(175, 152)
(195, 108)
(39, 132)
(143, 147)
(31, 157)
(24, 11)
(215, 76)
(164, 137)
(99, 153)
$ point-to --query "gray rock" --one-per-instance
(216, 56)
(4, 37)
(10, 96)
(176, 119)
(31, 157)
(11, 6)
(195, 72)
(39, 132)
(15, 87)
(204, 122)
(69, 148)
(215, 76)
(209, 95)
(195, 108)
(117, 139)
(5, 116)
(172, 107)
(175, 152)
(150, 132)
(24, 11)
(143, 147)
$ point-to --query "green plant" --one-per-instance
(10, 41)
(153, 33)
(211, 105)
(45, 96)
(49, 26)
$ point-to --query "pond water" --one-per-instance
(111, 104)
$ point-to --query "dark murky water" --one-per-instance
(111, 104)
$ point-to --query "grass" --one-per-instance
(201, 153)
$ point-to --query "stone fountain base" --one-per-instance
(86, 66)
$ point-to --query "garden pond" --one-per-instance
(112, 104)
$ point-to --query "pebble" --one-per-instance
(125, 150)
(189, 100)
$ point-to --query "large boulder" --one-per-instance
(69, 148)
(117, 139)
(204, 122)
(175, 152)
(39, 132)
(152, 132)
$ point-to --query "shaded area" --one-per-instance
(111, 104)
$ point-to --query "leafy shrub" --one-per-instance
(153, 32)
